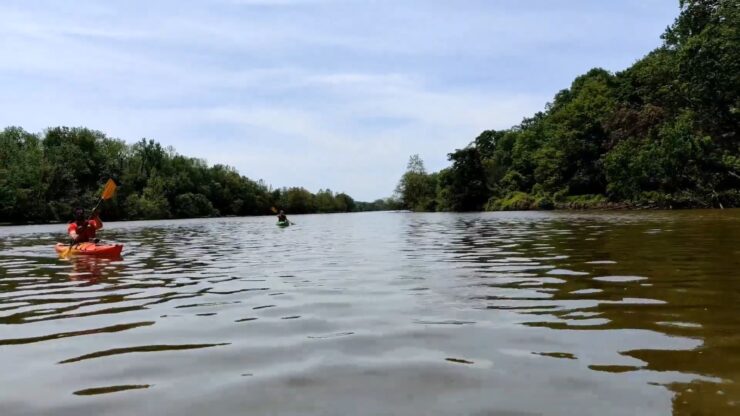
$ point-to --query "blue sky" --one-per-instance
(316, 93)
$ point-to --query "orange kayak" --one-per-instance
(91, 249)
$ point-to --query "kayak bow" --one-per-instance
(91, 249)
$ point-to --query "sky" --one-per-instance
(316, 93)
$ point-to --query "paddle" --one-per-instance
(108, 191)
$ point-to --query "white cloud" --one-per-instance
(321, 93)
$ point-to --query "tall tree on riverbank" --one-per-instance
(664, 132)
(417, 189)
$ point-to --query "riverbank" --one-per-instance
(521, 201)
(10, 224)
(153, 182)
(661, 133)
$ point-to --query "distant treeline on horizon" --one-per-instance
(664, 133)
(44, 176)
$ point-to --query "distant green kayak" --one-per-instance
(283, 223)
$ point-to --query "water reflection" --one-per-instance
(92, 269)
(110, 389)
(680, 315)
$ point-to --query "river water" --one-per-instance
(604, 313)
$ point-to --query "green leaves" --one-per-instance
(463, 186)
(22, 182)
(417, 190)
(44, 177)
(191, 205)
(664, 132)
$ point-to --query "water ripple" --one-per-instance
(525, 313)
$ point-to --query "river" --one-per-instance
(521, 313)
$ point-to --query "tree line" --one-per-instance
(663, 133)
(44, 176)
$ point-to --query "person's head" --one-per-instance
(282, 212)
(79, 214)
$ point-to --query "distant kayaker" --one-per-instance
(81, 229)
(281, 216)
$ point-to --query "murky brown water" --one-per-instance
(378, 314)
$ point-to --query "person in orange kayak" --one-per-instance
(82, 230)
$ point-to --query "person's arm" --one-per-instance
(72, 231)
(95, 222)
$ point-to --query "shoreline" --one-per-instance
(11, 224)
(559, 207)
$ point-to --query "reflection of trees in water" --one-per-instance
(188, 246)
(678, 278)
(94, 269)
(690, 266)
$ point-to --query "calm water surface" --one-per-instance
(379, 314)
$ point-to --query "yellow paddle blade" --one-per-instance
(67, 252)
(109, 190)
(274, 210)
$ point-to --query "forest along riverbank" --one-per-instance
(522, 312)
(662, 133)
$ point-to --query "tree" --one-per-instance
(324, 201)
(193, 205)
(344, 202)
(417, 189)
(297, 201)
(664, 132)
(463, 185)
(22, 185)
(43, 177)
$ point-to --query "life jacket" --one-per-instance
(87, 232)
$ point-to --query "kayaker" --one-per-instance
(81, 229)
(281, 216)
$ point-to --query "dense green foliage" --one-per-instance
(662, 133)
(387, 204)
(42, 177)
(417, 188)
